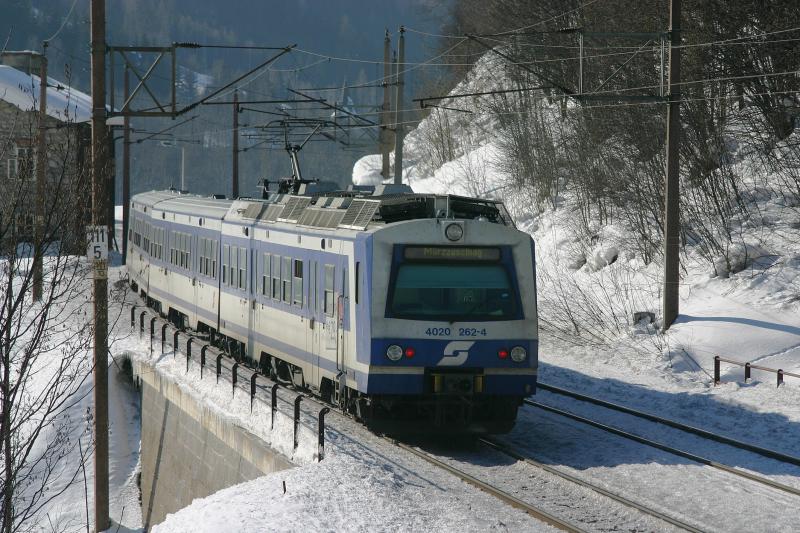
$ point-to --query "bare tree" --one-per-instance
(604, 160)
(44, 345)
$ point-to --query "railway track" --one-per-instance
(500, 494)
(667, 448)
(495, 445)
(765, 452)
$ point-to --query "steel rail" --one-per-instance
(578, 481)
(765, 452)
(532, 510)
(669, 449)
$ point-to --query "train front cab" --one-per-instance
(454, 332)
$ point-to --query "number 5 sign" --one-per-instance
(97, 248)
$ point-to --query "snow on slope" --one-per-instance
(71, 508)
(346, 493)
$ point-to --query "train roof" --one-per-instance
(352, 209)
(184, 203)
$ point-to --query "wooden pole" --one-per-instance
(386, 144)
(126, 167)
(41, 168)
(235, 192)
(672, 188)
(100, 169)
(398, 127)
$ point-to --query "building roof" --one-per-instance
(64, 103)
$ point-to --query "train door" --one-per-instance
(262, 264)
(338, 323)
(341, 310)
(147, 270)
(194, 266)
(327, 335)
(314, 329)
(253, 268)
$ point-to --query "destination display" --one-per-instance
(451, 253)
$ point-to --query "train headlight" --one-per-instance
(454, 232)
(394, 352)
(518, 354)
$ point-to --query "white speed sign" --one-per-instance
(97, 247)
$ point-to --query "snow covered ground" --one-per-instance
(68, 431)
(363, 484)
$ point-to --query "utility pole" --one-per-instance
(386, 145)
(41, 167)
(398, 126)
(235, 193)
(100, 270)
(183, 166)
(393, 94)
(126, 167)
(672, 186)
(111, 185)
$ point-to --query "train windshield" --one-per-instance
(456, 291)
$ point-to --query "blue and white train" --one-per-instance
(416, 312)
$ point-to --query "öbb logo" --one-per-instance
(456, 353)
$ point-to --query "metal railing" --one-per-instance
(748, 367)
(251, 384)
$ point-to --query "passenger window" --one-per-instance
(297, 287)
(276, 277)
(201, 251)
(234, 266)
(358, 281)
(286, 279)
(329, 279)
(242, 269)
(206, 257)
(265, 274)
(184, 254)
(214, 247)
(345, 288)
(225, 260)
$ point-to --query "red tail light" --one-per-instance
(410, 351)
(502, 353)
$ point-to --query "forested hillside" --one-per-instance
(351, 29)
(583, 169)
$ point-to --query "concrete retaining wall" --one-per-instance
(188, 451)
